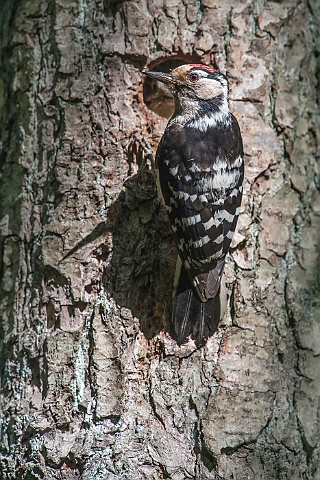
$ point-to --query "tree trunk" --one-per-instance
(92, 384)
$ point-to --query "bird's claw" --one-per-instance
(146, 148)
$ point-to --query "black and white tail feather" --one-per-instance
(191, 317)
(200, 165)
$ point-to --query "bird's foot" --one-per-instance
(147, 150)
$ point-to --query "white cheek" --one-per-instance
(208, 89)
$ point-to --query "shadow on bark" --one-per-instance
(139, 275)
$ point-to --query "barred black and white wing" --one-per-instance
(201, 175)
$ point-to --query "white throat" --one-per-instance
(191, 117)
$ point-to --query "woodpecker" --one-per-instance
(200, 168)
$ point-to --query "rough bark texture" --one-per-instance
(93, 387)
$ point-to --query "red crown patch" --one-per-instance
(206, 67)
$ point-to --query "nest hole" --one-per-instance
(155, 95)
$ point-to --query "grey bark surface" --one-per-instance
(92, 385)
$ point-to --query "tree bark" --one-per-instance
(92, 384)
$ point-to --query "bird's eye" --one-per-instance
(193, 77)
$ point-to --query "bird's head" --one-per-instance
(195, 87)
(198, 80)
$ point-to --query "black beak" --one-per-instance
(165, 78)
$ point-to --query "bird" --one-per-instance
(200, 167)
